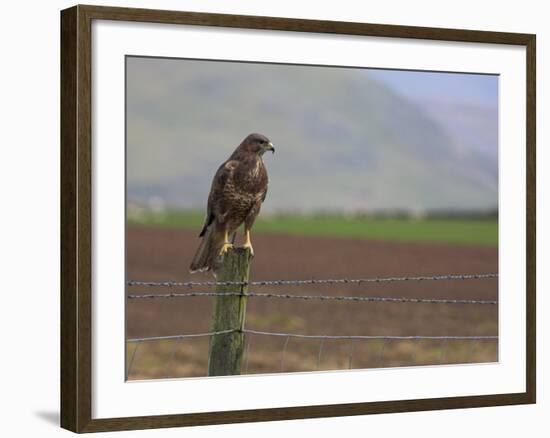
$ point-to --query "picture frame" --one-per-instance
(78, 168)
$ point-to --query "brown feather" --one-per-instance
(237, 192)
(206, 258)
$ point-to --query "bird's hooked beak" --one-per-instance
(270, 147)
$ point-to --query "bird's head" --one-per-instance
(258, 144)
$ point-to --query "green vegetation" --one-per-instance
(459, 231)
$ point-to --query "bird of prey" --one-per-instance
(238, 189)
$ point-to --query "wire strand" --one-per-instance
(191, 335)
(309, 297)
(297, 335)
(313, 281)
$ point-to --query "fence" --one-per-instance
(227, 350)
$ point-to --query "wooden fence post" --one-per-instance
(226, 350)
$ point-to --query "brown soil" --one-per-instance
(164, 254)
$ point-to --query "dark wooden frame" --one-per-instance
(76, 238)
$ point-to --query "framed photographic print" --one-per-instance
(270, 218)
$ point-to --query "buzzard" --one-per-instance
(238, 189)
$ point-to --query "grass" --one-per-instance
(457, 231)
(167, 358)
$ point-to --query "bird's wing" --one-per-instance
(214, 206)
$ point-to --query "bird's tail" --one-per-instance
(207, 256)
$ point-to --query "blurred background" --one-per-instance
(377, 173)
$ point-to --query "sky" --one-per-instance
(466, 105)
(467, 89)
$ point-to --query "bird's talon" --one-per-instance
(248, 246)
(226, 246)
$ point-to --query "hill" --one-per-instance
(344, 141)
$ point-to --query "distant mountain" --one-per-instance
(344, 141)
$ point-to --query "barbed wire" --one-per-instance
(321, 338)
(311, 297)
(191, 284)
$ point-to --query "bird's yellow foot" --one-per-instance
(248, 245)
(225, 247)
